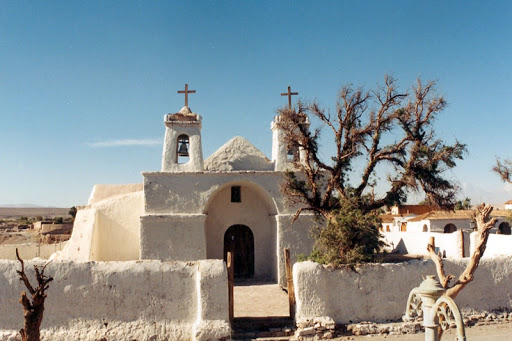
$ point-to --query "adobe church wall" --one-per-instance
(123, 300)
(379, 292)
(173, 237)
(189, 193)
(107, 231)
(252, 212)
(297, 237)
(102, 192)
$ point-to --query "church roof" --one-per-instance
(238, 154)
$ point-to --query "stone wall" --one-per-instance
(379, 292)
(142, 300)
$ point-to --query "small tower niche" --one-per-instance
(183, 151)
(283, 156)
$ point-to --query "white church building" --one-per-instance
(196, 209)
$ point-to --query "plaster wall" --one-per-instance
(102, 192)
(379, 292)
(189, 193)
(497, 245)
(123, 300)
(296, 236)
(107, 231)
(173, 237)
(415, 243)
(253, 212)
(439, 224)
(172, 131)
(117, 236)
(29, 251)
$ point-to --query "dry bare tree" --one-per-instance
(504, 170)
(371, 128)
(484, 224)
(33, 309)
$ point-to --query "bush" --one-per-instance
(351, 236)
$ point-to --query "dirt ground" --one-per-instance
(495, 332)
(267, 299)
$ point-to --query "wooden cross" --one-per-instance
(289, 94)
(186, 92)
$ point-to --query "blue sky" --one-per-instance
(84, 85)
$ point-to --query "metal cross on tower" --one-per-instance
(186, 92)
(289, 94)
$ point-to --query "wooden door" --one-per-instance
(240, 241)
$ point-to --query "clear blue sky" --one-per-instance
(80, 78)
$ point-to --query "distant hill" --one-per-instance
(30, 212)
(20, 205)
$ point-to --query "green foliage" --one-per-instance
(58, 220)
(351, 236)
(72, 212)
(463, 204)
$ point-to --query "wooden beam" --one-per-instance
(231, 280)
(289, 282)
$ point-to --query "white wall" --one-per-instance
(497, 245)
(29, 251)
(149, 300)
(379, 292)
(107, 231)
(101, 192)
(252, 212)
(415, 243)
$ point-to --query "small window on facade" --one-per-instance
(236, 194)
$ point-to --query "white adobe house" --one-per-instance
(196, 209)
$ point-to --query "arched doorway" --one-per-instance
(504, 228)
(247, 204)
(450, 228)
(239, 239)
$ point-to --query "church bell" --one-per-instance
(183, 150)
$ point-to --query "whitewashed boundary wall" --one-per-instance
(415, 243)
(497, 245)
(29, 251)
(134, 300)
(378, 292)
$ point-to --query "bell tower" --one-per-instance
(183, 151)
(282, 155)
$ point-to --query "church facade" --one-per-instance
(196, 209)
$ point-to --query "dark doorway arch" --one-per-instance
(450, 228)
(239, 239)
(504, 228)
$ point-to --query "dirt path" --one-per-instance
(259, 299)
(495, 332)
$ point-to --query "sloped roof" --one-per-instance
(508, 202)
(414, 209)
(238, 154)
(442, 215)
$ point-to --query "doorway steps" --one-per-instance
(273, 328)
